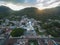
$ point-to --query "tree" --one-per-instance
(17, 32)
(52, 29)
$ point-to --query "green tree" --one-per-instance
(52, 29)
(17, 32)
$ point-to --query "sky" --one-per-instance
(21, 4)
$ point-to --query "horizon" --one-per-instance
(21, 4)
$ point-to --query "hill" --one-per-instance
(31, 12)
(5, 12)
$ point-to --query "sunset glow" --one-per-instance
(40, 4)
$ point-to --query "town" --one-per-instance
(32, 33)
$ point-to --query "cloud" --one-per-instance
(43, 4)
(20, 4)
(14, 1)
(20, 1)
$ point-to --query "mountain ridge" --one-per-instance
(31, 12)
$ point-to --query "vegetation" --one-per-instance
(33, 42)
(52, 29)
(39, 33)
(31, 12)
(17, 32)
(5, 12)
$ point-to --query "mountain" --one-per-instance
(4, 11)
(31, 12)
